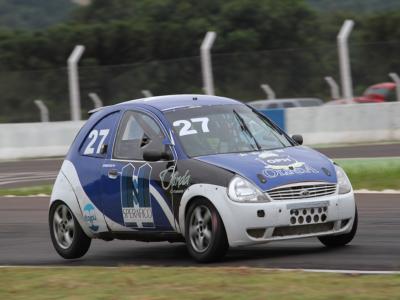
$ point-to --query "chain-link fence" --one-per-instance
(290, 72)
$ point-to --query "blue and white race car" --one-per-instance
(205, 170)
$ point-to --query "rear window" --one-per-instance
(377, 91)
(288, 104)
(98, 136)
(258, 105)
(273, 105)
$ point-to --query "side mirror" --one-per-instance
(298, 138)
(155, 155)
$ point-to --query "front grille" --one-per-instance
(302, 191)
(302, 229)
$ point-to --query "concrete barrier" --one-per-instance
(277, 115)
(354, 123)
(319, 125)
(36, 139)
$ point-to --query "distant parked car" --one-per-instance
(381, 92)
(377, 93)
(285, 103)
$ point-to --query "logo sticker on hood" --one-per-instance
(278, 163)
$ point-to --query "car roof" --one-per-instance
(283, 100)
(383, 85)
(172, 102)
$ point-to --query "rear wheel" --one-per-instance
(333, 241)
(205, 232)
(67, 236)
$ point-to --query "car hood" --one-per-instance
(273, 168)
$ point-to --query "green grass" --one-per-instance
(373, 173)
(190, 283)
(27, 191)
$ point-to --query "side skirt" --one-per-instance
(143, 236)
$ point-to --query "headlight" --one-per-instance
(241, 190)
(343, 182)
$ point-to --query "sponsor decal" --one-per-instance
(108, 165)
(278, 163)
(135, 196)
(93, 138)
(187, 126)
(89, 215)
(171, 179)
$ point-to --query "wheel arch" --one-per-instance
(63, 192)
(215, 194)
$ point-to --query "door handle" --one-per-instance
(113, 174)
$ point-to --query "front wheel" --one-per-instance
(67, 236)
(205, 232)
(333, 241)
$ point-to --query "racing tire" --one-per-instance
(206, 238)
(67, 236)
(334, 241)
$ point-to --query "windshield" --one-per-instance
(377, 91)
(224, 129)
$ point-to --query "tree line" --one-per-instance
(155, 45)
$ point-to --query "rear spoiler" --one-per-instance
(91, 112)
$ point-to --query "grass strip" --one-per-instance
(190, 283)
(27, 191)
(373, 173)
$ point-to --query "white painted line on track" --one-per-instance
(27, 196)
(27, 180)
(22, 160)
(358, 272)
(365, 191)
(367, 158)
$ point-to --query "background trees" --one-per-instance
(153, 44)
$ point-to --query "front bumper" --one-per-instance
(253, 223)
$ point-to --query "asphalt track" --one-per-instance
(25, 173)
(24, 240)
(44, 171)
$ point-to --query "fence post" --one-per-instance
(44, 111)
(335, 94)
(206, 65)
(73, 80)
(269, 91)
(147, 93)
(396, 80)
(344, 60)
(96, 100)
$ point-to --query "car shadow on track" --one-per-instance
(165, 254)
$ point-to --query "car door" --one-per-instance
(87, 162)
(135, 194)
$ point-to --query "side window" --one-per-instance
(136, 133)
(287, 104)
(272, 105)
(98, 136)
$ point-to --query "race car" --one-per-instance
(208, 171)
